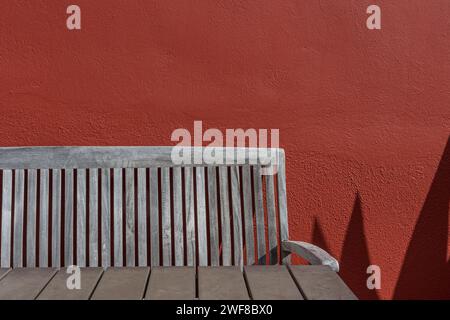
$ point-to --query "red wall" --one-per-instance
(364, 115)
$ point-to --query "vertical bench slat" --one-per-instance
(282, 203)
(142, 217)
(213, 216)
(225, 216)
(56, 218)
(259, 211)
(237, 216)
(68, 218)
(31, 218)
(129, 223)
(18, 218)
(271, 219)
(154, 216)
(6, 219)
(118, 218)
(190, 216)
(166, 223)
(106, 218)
(81, 217)
(93, 217)
(178, 217)
(43, 218)
(201, 217)
(248, 214)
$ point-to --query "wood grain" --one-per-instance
(154, 217)
(31, 218)
(56, 218)
(126, 283)
(6, 219)
(321, 283)
(19, 218)
(93, 218)
(25, 283)
(171, 283)
(178, 217)
(221, 283)
(118, 157)
(271, 283)
(44, 218)
(57, 288)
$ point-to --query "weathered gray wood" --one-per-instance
(271, 220)
(178, 217)
(225, 216)
(81, 217)
(171, 283)
(106, 218)
(31, 218)
(93, 217)
(19, 218)
(118, 217)
(154, 217)
(57, 288)
(130, 158)
(237, 216)
(311, 253)
(122, 284)
(213, 216)
(166, 221)
(248, 214)
(7, 189)
(129, 223)
(68, 219)
(259, 213)
(271, 283)
(56, 218)
(201, 217)
(321, 283)
(4, 272)
(221, 283)
(44, 218)
(190, 216)
(282, 201)
(25, 283)
(142, 217)
(117, 157)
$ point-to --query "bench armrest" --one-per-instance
(313, 254)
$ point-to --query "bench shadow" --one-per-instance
(425, 273)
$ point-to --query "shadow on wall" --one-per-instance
(355, 255)
(425, 273)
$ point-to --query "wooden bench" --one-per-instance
(116, 207)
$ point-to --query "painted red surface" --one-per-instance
(364, 115)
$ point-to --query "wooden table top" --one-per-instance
(277, 282)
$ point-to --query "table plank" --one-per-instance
(57, 289)
(126, 283)
(221, 283)
(321, 283)
(25, 283)
(271, 283)
(171, 283)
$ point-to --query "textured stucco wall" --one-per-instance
(364, 115)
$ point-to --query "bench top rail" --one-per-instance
(131, 157)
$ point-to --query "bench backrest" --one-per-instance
(132, 206)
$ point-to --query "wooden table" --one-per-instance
(204, 283)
